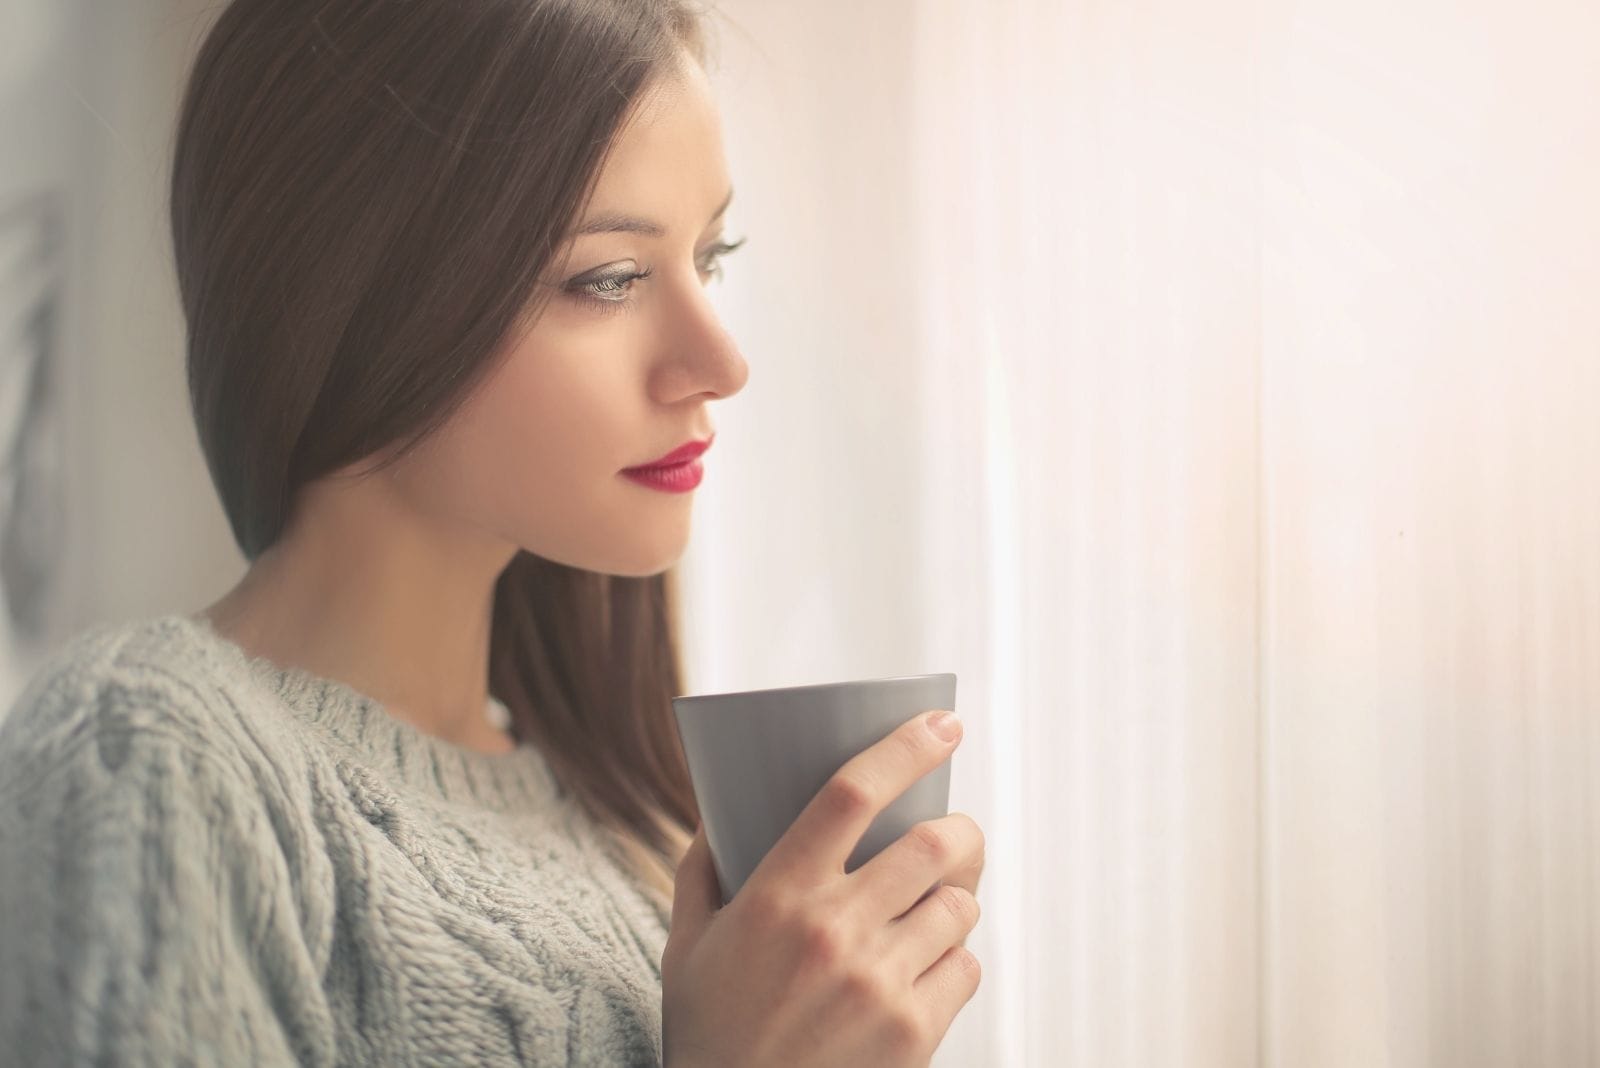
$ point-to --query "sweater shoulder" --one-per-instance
(137, 677)
(163, 893)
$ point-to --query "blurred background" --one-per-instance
(1211, 387)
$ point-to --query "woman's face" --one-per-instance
(616, 371)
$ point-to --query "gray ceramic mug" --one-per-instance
(758, 757)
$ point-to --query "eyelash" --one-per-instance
(589, 292)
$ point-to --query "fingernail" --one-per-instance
(945, 726)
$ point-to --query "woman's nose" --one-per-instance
(701, 356)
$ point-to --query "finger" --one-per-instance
(922, 936)
(941, 921)
(967, 879)
(695, 893)
(948, 849)
(948, 985)
(827, 830)
(968, 875)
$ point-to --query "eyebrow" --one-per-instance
(627, 224)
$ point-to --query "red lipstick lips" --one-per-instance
(679, 471)
(682, 454)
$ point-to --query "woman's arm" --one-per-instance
(146, 904)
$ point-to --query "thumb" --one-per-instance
(696, 894)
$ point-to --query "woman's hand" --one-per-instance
(810, 965)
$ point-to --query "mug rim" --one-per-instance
(805, 687)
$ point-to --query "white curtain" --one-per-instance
(1214, 389)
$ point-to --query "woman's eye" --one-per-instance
(715, 253)
(612, 293)
(615, 285)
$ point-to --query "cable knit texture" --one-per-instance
(206, 858)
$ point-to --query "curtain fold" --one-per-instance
(1092, 335)
(1213, 390)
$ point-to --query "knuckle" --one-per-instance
(824, 943)
(932, 841)
(962, 905)
(849, 794)
(864, 987)
(904, 1030)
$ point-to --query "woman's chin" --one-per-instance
(639, 561)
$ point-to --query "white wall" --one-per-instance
(90, 100)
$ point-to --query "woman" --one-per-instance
(410, 792)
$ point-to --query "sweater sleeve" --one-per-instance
(145, 916)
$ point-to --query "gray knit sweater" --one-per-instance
(209, 859)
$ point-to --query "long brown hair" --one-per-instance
(365, 194)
